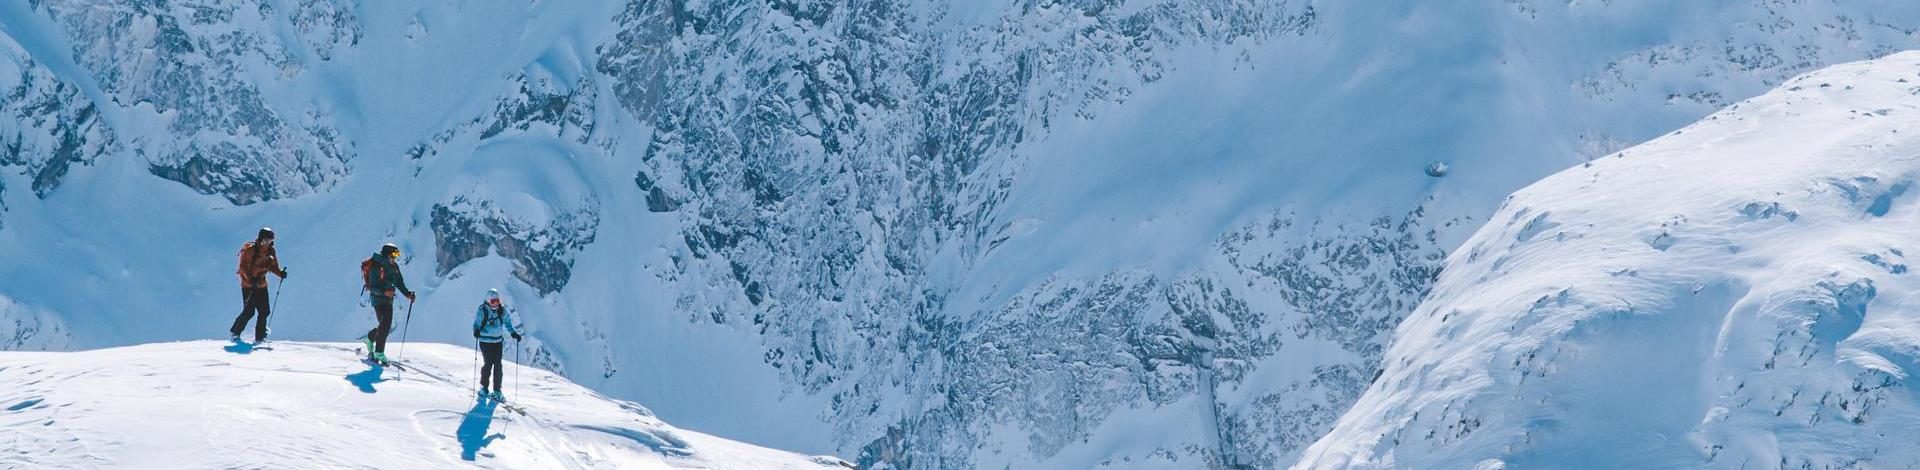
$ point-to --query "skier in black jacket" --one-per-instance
(381, 273)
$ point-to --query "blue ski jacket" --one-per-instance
(493, 324)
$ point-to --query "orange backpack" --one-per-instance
(248, 254)
(366, 274)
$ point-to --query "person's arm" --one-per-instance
(479, 316)
(400, 280)
(273, 264)
(506, 314)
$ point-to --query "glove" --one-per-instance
(516, 336)
(476, 332)
(283, 273)
(409, 296)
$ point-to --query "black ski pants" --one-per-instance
(490, 353)
(383, 309)
(252, 300)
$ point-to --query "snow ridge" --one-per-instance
(1735, 294)
(314, 405)
(936, 234)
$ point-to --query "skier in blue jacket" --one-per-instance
(492, 323)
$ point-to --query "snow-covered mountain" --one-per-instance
(314, 405)
(919, 234)
(1735, 294)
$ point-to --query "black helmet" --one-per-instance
(266, 233)
(389, 249)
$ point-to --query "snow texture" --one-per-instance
(1735, 294)
(206, 404)
(918, 234)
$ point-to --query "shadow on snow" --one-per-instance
(473, 430)
(366, 378)
(660, 441)
(239, 348)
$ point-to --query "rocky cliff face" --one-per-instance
(959, 234)
(819, 169)
(821, 158)
(195, 79)
(49, 125)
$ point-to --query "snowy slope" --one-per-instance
(921, 234)
(207, 404)
(1735, 294)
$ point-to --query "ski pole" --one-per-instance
(403, 331)
(275, 308)
(516, 370)
(476, 364)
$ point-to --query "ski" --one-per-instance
(236, 342)
(362, 354)
(516, 409)
(484, 397)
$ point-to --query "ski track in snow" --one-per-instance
(207, 404)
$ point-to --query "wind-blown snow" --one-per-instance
(1735, 294)
(315, 405)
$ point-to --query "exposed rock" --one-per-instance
(194, 64)
(542, 251)
(48, 127)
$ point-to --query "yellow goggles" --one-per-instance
(395, 254)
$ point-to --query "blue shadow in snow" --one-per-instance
(473, 430)
(366, 378)
(659, 440)
(239, 348)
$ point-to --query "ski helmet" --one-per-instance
(391, 250)
(493, 295)
(266, 233)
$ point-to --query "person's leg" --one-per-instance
(493, 354)
(383, 310)
(262, 305)
(486, 366)
(246, 312)
(376, 328)
(490, 365)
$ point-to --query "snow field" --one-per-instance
(208, 404)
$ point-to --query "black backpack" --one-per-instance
(494, 316)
